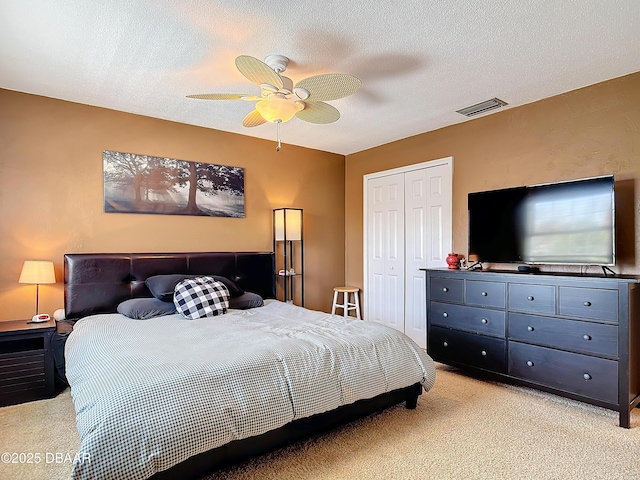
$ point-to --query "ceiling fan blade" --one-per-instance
(224, 96)
(253, 119)
(329, 86)
(257, 71)
(318, 112)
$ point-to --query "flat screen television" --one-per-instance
(566, 223)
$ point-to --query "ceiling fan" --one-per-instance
(280, 100)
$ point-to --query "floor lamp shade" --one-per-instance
(37, 272)
(288, 224)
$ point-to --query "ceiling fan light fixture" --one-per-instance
(278, 110)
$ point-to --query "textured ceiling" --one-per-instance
(419, 60)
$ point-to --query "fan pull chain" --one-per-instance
(278, 135)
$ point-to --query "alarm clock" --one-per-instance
(40, 318)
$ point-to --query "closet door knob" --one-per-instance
(483, 353)
(586, 376)
(530, 328)
(530, 298)
(445, 314)
(445, 344)
(445, 289)
(587, 304)
(586, 337)
(484, 294)
(484, 320)
(529, 363)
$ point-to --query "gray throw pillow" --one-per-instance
(163, 286)
(145, 308)
(245, 301)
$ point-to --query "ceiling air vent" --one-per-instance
(482, 107)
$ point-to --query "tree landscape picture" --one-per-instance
(146, 184)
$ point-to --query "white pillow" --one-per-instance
(201, 297)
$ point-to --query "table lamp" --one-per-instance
(37, 272)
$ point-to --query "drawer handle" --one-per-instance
(586, 376)
(530, 298)
(484, 320)
(530, 328)
(586, 337)
(484, 294)
(483, 353)
(445, 314)
(445, 344)
(587, 304)
(529, 363)
(445, 289)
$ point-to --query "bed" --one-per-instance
(169, 397)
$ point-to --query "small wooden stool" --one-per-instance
(346, 305)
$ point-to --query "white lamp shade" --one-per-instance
(290, 217)
(278, 109)
(37, 272)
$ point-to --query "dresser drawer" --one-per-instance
(478, 351)
(532, 298)
(486, 294)
(446, 289)
(593, 303)
(471, 319)
(570, 372)
(575, 335)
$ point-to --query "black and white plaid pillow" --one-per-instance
(201, 297)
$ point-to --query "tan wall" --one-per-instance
(51, 181)
(587, 132)
(51, 195)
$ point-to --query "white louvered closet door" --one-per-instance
(408, 227)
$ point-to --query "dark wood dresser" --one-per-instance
(26, 361)
(572, 335)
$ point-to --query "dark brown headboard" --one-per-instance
(98, 282)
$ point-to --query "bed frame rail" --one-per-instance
(304, 428)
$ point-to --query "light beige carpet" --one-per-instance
(463, 428)
(40, 438)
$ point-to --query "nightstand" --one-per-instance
(26, 361)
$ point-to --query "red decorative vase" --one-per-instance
(452, 260)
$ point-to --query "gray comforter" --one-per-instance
(151, 393)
